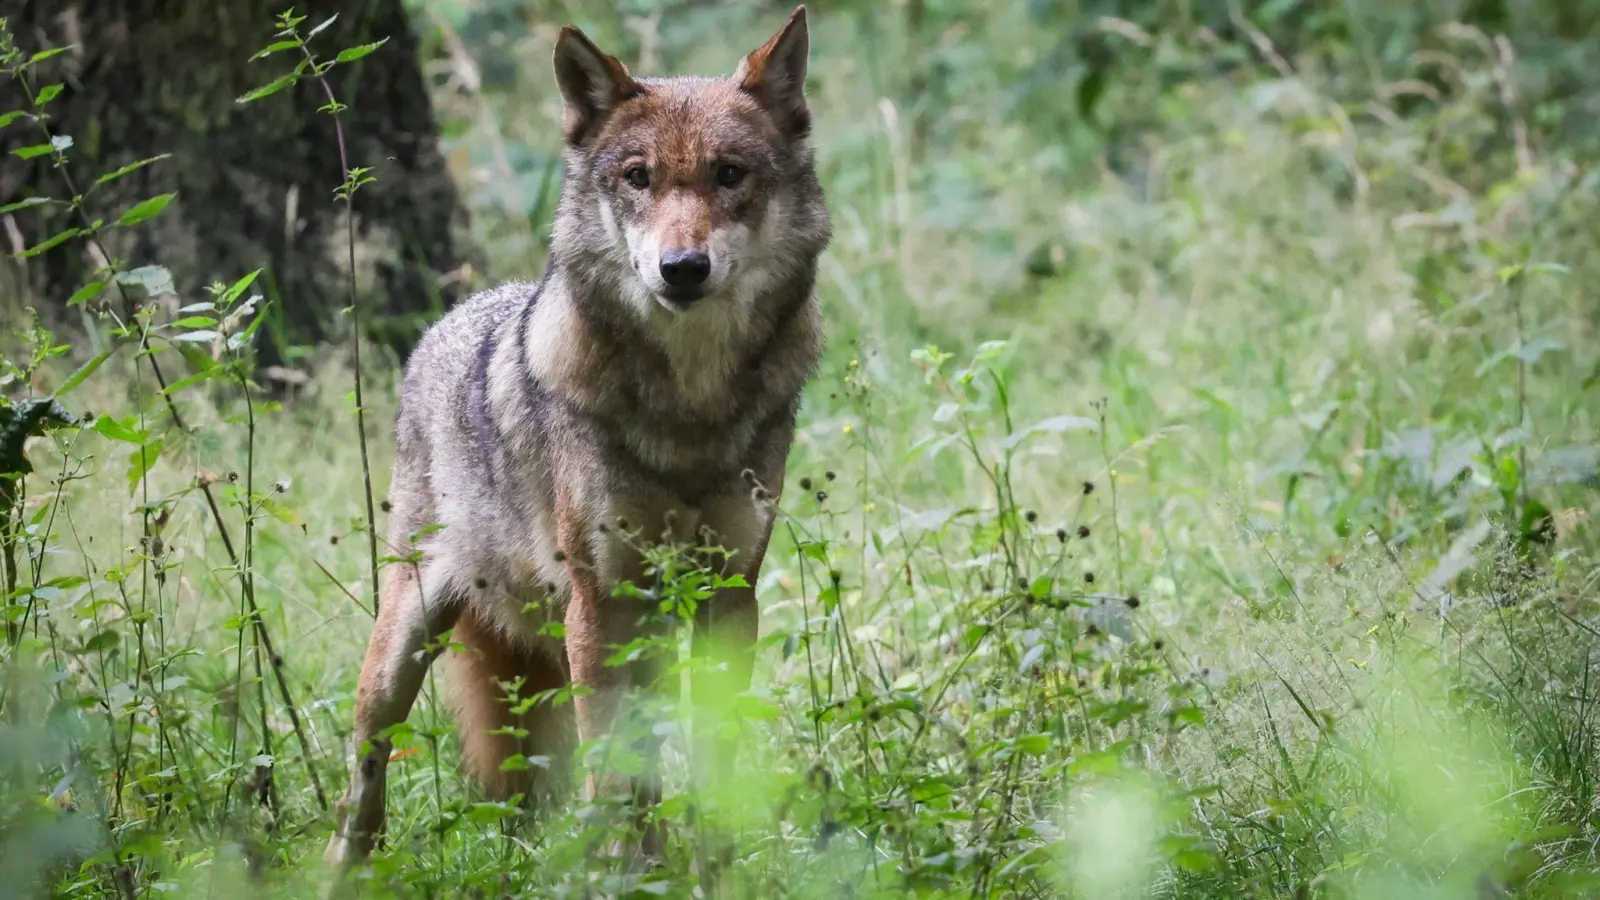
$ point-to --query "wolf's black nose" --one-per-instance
(684, 268)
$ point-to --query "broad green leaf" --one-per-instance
(275, 48)
(148, 281)
(12, 116)
(33, 150)
(355, 53)
(141, 461)
(25, 203)
(145, 210)
(1052, 424)
(46, 94)
(194, 322)
(270, 88)
(126, 432)
(43, 55)
(49, 243)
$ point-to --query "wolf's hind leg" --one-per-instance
(488, 725)
(398, 654)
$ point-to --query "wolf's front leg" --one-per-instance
(597, 623)
(398, 655)
(726, 628)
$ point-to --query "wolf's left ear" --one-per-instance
(775, 75)
(592, 83)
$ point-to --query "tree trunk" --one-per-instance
(255, 183)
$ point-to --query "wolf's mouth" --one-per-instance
(679, 299)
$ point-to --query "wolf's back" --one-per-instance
(445, 379)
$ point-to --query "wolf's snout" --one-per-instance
(685, 269)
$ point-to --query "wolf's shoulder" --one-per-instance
(450, 348)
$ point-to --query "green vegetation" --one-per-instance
(1197, 499)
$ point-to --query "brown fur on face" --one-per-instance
(533, 416)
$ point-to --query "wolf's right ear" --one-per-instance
(592, 84)
(775, 74)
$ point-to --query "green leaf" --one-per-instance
(141, 461)
(43, 55)
(145, 210)
(86, 293)
(275, 48)
(46, 94)
(1033, 744)
(1056, 424)
(118, 431)
(269, 88)
(130, 167)
(203, 375)
(355, 53)
(319, 28)
(194, 322)
(33, 150)
(25, 203)
(84, 371)
(102, 641)
(49, 243)
(238, 288)
(149, 281)
(204, 334)
(12, 116)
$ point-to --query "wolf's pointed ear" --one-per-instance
(775, 75)
(592, 83)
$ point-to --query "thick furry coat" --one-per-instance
(648, 382)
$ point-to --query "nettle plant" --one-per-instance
(90, 650)
(954, 676)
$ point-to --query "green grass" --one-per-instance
(1252, 348)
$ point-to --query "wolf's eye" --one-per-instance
(638, 176)
(729, 175)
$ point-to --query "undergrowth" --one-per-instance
(1216, 525)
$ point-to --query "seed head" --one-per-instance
(1088, 578)
(386, 506)
(1132, 601)
(822, 496)
(805, 484)
(1159, 644)
(560, 556)
(1088, 488)
(480, 582)
(829, 475)
(1030, 516)
(1083, 532)
(1061, 535)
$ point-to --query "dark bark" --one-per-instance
(255, 183)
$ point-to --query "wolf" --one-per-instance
(649, 380)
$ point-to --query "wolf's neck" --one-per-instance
(682, 365)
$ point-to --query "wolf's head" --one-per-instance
(690, 196)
